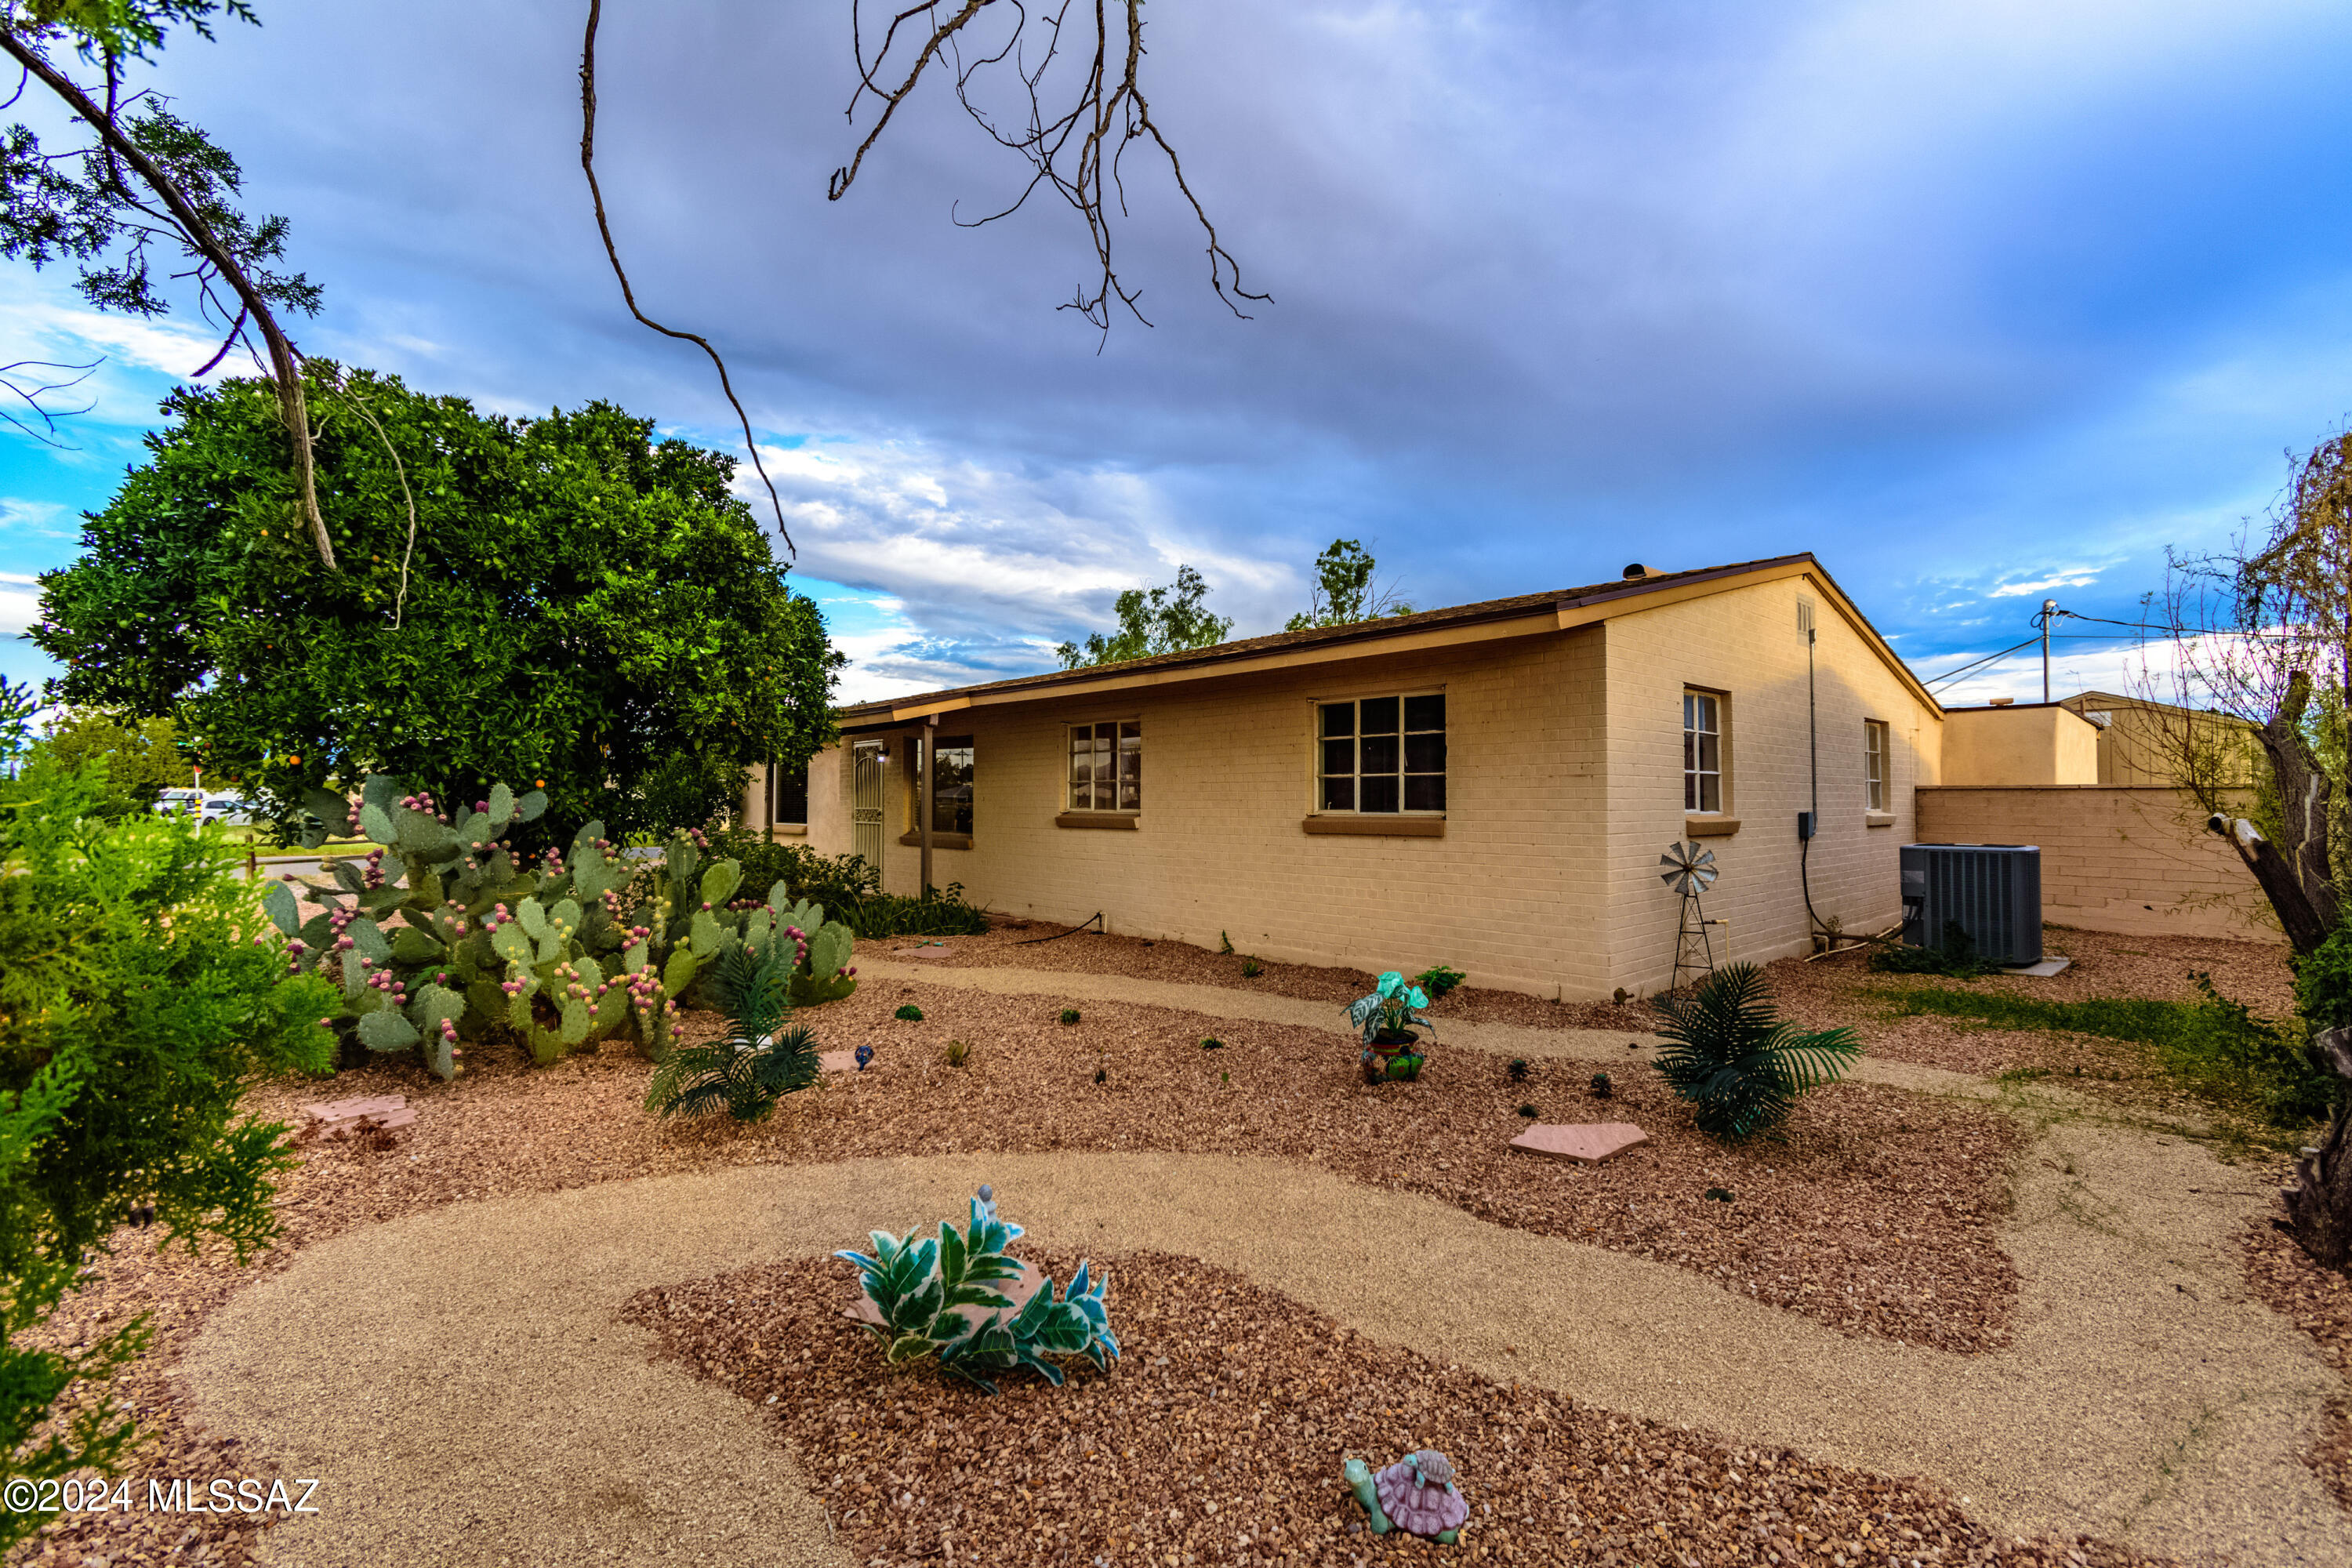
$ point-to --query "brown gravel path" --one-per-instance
(463, 1383)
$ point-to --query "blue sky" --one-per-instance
(1977, 301)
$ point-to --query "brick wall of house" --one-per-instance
(1747, 645)
(1228, 778)
(2132, 858)
(1565, 782)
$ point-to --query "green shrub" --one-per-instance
(957, 1054)
(936, 1298)
(140, 996)
(942, 911)
(1070, 1014)
(758, 1061)
(1957, 959)
(1731, 1055)
(1252, 969)
(908, 1012)
(2323, 984)
(1529, 1111)
(2215, 1047)
(1437, 980)
(850, 887)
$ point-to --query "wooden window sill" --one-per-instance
(1878, 819)
(1377, 825)
(788, 830)
(1115, 820)
(938, 840)
(1710, 826)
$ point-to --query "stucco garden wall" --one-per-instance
(1746, 645)
(2114, 858)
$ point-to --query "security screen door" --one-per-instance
(866, 805)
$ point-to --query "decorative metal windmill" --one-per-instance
(1690, 871)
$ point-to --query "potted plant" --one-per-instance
(1392, 1050)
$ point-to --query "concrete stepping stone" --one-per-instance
(337, 1117)
(836, 1061)
(1586, 1143)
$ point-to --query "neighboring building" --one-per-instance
(1489, 785)
(2091, 781)
(2143, 743)
(2015, 744)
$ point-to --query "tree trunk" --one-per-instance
(2303, 802)
(2319, 1207)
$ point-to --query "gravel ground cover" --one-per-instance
(2319, 1301)
(178, 1292)
(1876, 1215)
(1842, 990)
(1219, 1439)
(1015, 945)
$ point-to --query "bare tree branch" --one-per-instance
(400, 469)
(29, 391)
(191, 225)
(628, 294)
(1077, 151)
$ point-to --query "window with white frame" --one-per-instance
(1702, 753)
(1381, 754)
(1107, 765)
(1873, 762)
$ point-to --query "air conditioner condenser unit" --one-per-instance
(1991, 893)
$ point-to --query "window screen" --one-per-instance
(1381, 754)
(1107, 766)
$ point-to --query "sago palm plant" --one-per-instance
(1737, 1061)
(759, 1060)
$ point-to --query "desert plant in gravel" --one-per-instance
(1737, 1061)
(908, 1012)
(562, 950)
(761, 1057)
(935, 1298)
(138, 1004)
(539, 947)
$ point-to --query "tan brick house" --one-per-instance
(1488, 785)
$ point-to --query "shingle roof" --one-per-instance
(1362, 631)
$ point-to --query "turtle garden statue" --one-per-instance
(1415, 1495)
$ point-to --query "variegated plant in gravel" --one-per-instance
(935, 1298)
(466, 942)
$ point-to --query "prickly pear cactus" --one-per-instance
(442, 936)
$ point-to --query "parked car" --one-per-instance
(230, 811)
(181, 803)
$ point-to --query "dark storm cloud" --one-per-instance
(1955, 295)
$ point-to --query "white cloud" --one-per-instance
(48, 326)
(978, 571)
(2073, 577)
(20, 606)
(43, 519)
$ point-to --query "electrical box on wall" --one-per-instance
(1804, 824)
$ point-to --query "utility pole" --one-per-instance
(2049, 610)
